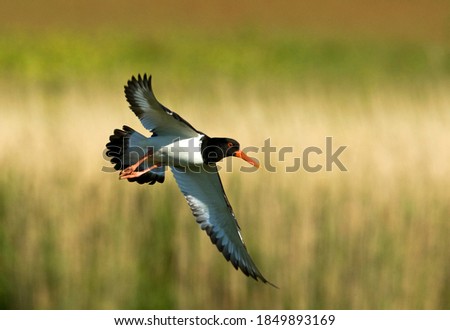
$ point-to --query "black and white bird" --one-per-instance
(192, 157)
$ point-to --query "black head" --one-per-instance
(215, 149)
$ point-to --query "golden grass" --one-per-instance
(376, 236)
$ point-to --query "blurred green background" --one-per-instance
(374, 76)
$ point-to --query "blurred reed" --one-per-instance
(376, 236)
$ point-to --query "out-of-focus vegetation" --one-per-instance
(376, 236)
(246, 55)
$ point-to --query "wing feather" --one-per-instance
(154, 116)
(205, 196)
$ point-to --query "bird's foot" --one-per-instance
(130, 172)
(131, 169)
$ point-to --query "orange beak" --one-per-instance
(248, 159)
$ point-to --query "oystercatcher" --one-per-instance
(192, 157)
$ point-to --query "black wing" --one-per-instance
(204, 193)
(154, 116)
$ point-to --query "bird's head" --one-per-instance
(215, 149)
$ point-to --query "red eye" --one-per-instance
(230, 144)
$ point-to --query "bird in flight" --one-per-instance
(192, 157)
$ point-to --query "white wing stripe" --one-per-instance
(205, 196)
(153, 115)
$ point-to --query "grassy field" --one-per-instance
(373, 237)
(73, 236)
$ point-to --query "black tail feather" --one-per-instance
(123, 155)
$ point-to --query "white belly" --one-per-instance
(180, 152)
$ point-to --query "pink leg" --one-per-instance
(134, 174)
(130, 171)
(132, 168)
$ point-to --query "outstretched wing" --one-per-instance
(154, 116)
(204, 193)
